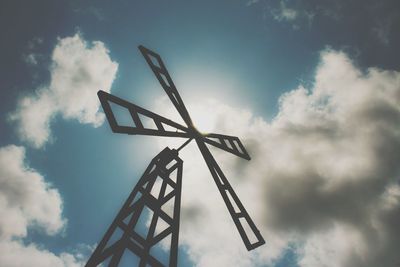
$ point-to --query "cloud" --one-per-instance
(376, 20)
(16, 254)
(28, 202)
(323, 179)
(25, 198)
(31, 59)
(285, 13)
(296, 13)
(32, 56)
(78, 71)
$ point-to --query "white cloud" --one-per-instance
(78, 71)
(25, 198)
(285, 13)
(16, 254)
(27, 201)
(296, 15)
(324, 174)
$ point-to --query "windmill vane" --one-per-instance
(165, 169)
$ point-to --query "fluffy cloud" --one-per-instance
(324, 175)
(16, 254)
(27, 201)
(78, 71)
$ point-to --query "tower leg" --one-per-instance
(158, 189)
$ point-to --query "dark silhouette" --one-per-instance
(166, 168)
(162, 167)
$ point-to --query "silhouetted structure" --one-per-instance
(167, 169)
(160, 184)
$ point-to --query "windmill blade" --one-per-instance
(228, 143)
(247, 229)
(157, 66)
(162, 126)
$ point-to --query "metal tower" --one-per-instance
(160, 184)
(110, 250)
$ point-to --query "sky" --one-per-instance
(311, 88)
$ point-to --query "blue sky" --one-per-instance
(315, 84)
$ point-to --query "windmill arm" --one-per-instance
(228, 143)
(162, 126)
(248, 231)
(160, 71)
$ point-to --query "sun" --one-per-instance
(203, 117)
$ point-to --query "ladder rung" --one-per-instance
(225, 186)
(239, 214)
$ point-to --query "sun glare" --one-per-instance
(203, 117)
(201, 93)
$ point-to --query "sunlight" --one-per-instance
(203, 117)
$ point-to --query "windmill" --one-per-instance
(165, 170)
